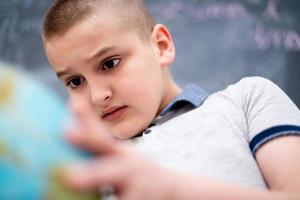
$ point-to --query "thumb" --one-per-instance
(88, 132)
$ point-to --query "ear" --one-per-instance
(163, 42)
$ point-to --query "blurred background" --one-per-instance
(218, 41)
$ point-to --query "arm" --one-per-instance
(279, 162)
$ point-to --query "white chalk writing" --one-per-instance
(265, 37)
(271, 12)
(231, 10)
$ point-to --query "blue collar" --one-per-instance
(191, 94)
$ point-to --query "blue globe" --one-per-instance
(32, 148)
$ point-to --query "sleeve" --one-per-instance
(269, 112)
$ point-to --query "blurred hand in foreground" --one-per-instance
(115, 164)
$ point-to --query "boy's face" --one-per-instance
(114, 71)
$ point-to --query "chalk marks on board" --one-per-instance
(270, 38)
(20, 27)
(267, 38)
(271, 11)
(264, 33)
(201, 11)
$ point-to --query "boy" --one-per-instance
(114, 61)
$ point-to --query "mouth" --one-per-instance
(114, 113)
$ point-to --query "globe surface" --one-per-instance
(32, 148)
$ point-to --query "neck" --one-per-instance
(171, 90)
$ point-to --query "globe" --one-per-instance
(32, 148)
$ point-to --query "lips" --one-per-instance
(114, 112)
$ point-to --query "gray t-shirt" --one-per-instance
(219, 138)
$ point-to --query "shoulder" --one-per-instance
(256, 80)
(245, 90)
(256, 90)
(254, 83)
(260, 95)
(257, 83)
(261, 90)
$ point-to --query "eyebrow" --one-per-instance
(101, 51)
(59, 74)
(97, 53)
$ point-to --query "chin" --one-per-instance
(125, 133)
(123, 136)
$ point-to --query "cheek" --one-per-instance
(141, 82)
(78, 102)
(144, 87)
(144, 105)
(144, 93)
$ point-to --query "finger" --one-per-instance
(92, 175)
(89, 133)
(130, 195)
(86, 115)
(91, 140)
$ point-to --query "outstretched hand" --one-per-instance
(116, 164)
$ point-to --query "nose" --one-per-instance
(100, 94)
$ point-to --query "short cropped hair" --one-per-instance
(64, 14)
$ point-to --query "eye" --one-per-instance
(110, 64)
(74, 82)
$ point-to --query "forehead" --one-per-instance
(104, 25)
(87, 37)
(95, 26)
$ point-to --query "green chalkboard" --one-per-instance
(218, 41)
